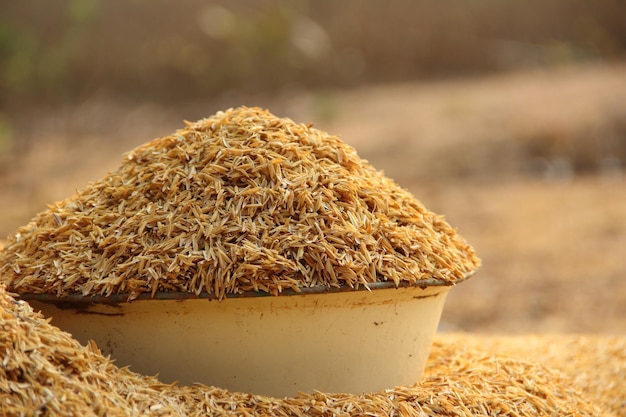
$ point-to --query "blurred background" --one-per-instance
(508, 117)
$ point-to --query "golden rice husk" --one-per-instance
(596, 363)
(45, 371)
(240, 201)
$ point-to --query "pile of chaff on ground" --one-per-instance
(44, 370)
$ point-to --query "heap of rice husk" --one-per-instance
(240, 201)
(597, 364)
(45, 371)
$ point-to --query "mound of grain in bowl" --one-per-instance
(45, 371)
(240, 201)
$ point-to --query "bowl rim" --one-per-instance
(181, 296)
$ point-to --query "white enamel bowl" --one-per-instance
(331, 341)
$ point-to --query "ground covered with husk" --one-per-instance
(44, 371)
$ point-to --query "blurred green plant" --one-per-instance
(269, 47)
(325, 106)
(161, 50)
(18, 50)
(36, 60)
(6, 141)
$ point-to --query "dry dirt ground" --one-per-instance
(530, 167)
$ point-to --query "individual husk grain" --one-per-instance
(240, 201)
(44, 371)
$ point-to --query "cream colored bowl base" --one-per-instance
(357, 341)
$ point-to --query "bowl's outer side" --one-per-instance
(356, 341)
